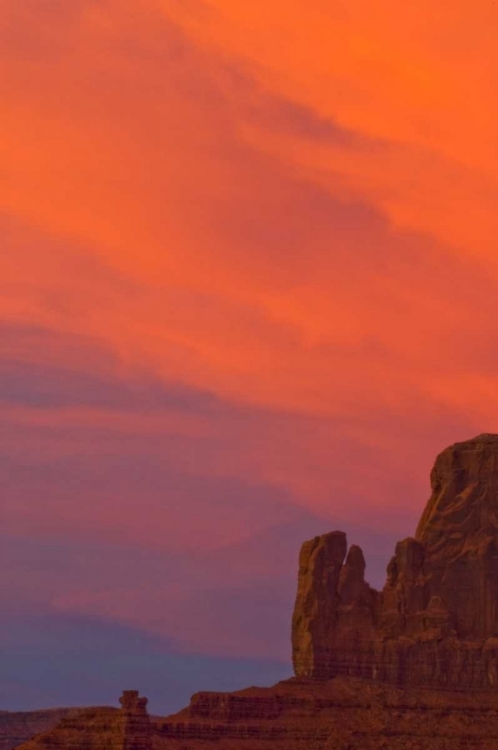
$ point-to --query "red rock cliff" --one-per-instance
(435, 622)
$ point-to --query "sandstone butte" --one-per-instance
(412, 666)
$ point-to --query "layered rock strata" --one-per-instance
(100, 728)
(302, 714)
(338, 714)
(17, 727)
(435, 623)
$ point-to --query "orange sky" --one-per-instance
(286, 213)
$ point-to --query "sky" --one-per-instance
(248, 291)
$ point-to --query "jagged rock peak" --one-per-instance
(464, 500)
(436, 620)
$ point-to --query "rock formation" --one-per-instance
(300, 714)
(367, 663)
(435, 623)
(136, 729)
(100, 728)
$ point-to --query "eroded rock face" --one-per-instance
(315, 614)
(435, 622)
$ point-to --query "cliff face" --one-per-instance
(435, 622)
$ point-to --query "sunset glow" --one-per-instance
(248, 291)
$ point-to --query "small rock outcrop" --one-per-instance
(435, 623)
(137, 729)
(101, 728)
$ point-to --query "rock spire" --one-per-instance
(435, 623)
